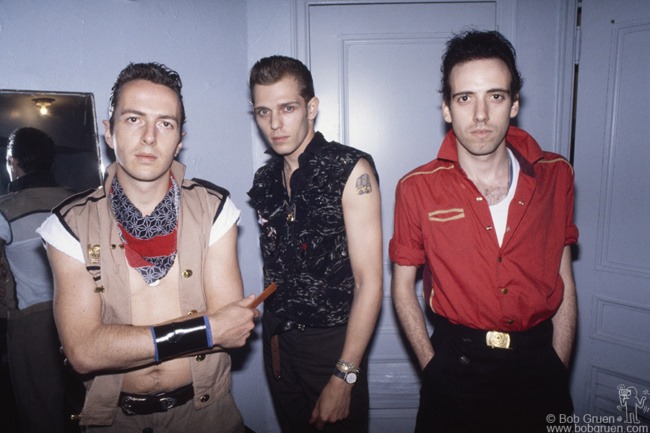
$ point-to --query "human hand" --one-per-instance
(333, 404)
(232, 324)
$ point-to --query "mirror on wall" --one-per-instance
(69, 118)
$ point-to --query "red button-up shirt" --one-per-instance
(443, 220)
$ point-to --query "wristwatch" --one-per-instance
(348, 376)
(346, 371)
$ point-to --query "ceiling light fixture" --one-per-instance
(43, 104)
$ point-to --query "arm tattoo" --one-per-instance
(363, 184)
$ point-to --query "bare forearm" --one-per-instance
(109, 347)
(564, 321)
(409, 313)
(564, 325)
(363, 318)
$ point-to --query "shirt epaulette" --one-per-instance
(211, 187)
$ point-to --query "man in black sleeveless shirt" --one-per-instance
(318, 205)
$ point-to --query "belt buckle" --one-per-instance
(167, 403)
(497, 340)
(128, 404)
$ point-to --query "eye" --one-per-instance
(262, 112)
(463, 99)
(131, 119)
(289, 108)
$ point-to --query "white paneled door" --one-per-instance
(612, 154)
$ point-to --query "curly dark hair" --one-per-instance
(270, 70)
(33, 149)
(156, 73)
(479, 45)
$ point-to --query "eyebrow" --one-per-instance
(283, 104)
(495, 90)
(140, 113)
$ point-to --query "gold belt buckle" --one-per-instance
(497, 340)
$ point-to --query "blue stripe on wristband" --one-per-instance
(208, 331)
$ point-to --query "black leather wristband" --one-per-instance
(179, 338)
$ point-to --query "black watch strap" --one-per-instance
(349, 377)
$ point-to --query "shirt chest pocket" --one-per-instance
(446, 215)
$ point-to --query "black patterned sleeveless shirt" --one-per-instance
(303, 238)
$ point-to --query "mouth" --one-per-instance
(481, 132)
(280, 139)
(145, 157)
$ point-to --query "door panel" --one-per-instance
(612, 207)
(376, 68)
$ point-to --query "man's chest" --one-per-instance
(157, 303)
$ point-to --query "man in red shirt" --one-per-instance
(491, 221)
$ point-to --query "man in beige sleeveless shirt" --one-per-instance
(148, 290)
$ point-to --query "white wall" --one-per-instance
(80, 45)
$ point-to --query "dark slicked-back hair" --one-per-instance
(270, 70)
(33, 148)
(154, 72)
(479, 45)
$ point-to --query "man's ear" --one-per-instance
(179, 146)
(514, 110)
(312, 108)
(107, 133)
(446, 112)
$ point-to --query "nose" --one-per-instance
(276, 121)
(481, 112)
(149, 134)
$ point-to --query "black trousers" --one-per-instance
(307, 359)
(469, 387)
(46, 391)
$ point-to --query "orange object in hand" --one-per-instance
(262, 296)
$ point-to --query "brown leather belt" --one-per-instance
(287, 325)
(143, 404)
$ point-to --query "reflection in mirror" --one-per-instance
(69, 118)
